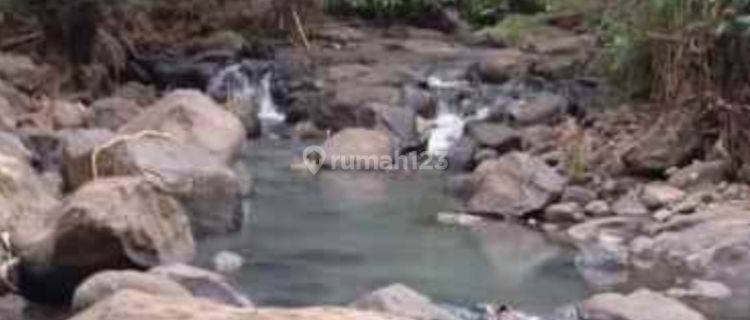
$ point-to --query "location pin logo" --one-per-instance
(313, 157)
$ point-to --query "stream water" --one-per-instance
(330, 238)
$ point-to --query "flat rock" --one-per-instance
(657, 195)
(105, 284)
(640, 305)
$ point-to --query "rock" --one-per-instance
(142, 94)
(401, 123)
(45, 147)
(105, 284)
(629, 205)
(700, 174)
(657, 195)
(419, 100)
(663, 215)
(209, 191)
(496, 136)
(204, 284)
(21, 72)
(460, 186)
(9, 120)
(516, 184)
(340, 34)
(402, 301)
(640, 305)
(590, 230)
(538, 109)
(358, 149)
(192, 118)
(603, 264)
(245, 179)
(460, 156)
(133, 305)
(221, 41)
(228, 262)
(579, 195)
(114, 112)
(77, 147)
(538, 139)
(564, 212)
(502, 65)
(702, 289)
(69, 115)
(598, 208)
(672, 141)
(24, 201)
(11, 146)
(483, 155)
(114, 223)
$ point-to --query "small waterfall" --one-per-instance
(245, 88)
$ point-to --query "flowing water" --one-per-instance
(330, 238)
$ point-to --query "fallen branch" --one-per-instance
(300, 29)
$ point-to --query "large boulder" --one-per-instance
(208, 189)
(357, 148)
(114, 223)
(496, 136)
(640, 305)
(516, 184)
(133, 305)
(672, 141)
(401, 300)
(22, 72)
(192, 118)
(105, 284)
(204, 284)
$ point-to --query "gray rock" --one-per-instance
(204, 284)
(640, 305)
(630, 205)
(105, 284)
(402, 301)
(702, 289)
(77, 146)
(538, 139)
(700, 174)
(599, 208)
(502, 65)
(579, 195)
(538, 109)
(564, 212)
(69, 115)
(657, 195)
(670, 142)
(516, 184)
(355, 148)
(21, 72)
(483, 155)
(496, 136)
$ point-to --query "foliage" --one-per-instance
(385, 9)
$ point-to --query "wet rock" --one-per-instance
(700, 174)
(460, 156)
(77, 147)
(114, 223)
(460, 186)
(496, 136)
(590, 230)
(640, 305)
(419, 100)
(516, 184)
(204, 284)
(672, 141)
(502, 65)
(401, 123)
(459, 219)
(209, 190)
(538, 109)
(105, 284)
(579, 195)
(402, 301)
(603, 264)
(598, 208)
(228, 262)
(630, 205)
(657, 195)
(114, 112)
(192, 118)
(69, 115)
(221, 41)
(357, 148)
(564, 212)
